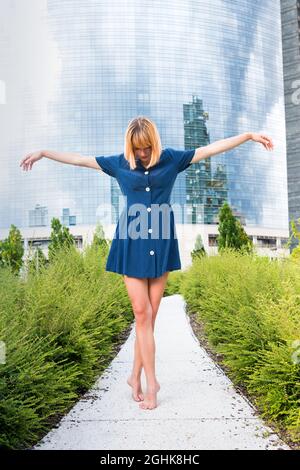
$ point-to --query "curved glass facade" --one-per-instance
(202, 70)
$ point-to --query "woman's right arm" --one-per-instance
(64, 157)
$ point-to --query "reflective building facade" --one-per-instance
(290, 11)
(202, 70)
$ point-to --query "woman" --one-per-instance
(146, 174)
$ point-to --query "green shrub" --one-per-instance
(250, 308)
(59, 326)
(173, 283)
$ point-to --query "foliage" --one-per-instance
(60, 238)
(12, 250)
(199, 249)
(59, 325)
(250, 308)
(231, 232)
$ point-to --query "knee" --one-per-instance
(142, 311)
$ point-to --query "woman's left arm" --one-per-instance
(227, 144)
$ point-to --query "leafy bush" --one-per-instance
(59, 327)
(250, 308)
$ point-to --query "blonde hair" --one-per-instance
(142, 132)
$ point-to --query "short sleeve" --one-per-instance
(182, 158)
(109, 165)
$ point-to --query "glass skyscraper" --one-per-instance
(290, 11)
(74, 72)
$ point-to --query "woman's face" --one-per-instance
(144, 154)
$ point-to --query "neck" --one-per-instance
(142, 163)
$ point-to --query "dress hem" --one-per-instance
(142, 277)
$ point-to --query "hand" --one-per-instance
(263, 139)
(29, 159)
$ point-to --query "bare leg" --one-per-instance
(156, 288)
(138, 292)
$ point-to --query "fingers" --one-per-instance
(23, 162)
(267, 142)
(26, 163)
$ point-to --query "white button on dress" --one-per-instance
(150, 230)
(146, 172)
(148, 209)
(151, 252)
(147, 189)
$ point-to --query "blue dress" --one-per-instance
(145, 242)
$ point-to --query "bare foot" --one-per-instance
(150, 401)
(137, 393)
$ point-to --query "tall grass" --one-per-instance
(250, 308)
(59, 327)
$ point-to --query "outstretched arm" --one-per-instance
(64, 157)
(227, 144)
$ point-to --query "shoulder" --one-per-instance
(109, 164)
(181, 157)
(167, 154)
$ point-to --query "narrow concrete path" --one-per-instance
(198, 407)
